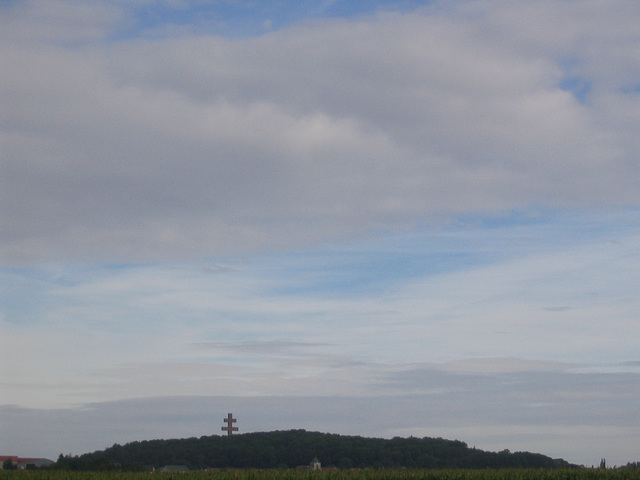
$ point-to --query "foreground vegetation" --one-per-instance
(353, 474)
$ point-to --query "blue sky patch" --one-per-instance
(247, 18)
(578, 86)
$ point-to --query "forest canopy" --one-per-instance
(293, 448)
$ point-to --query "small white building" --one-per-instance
(315, 464)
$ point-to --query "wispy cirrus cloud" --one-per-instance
(271, 318)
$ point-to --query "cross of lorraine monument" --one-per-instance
(229, 428)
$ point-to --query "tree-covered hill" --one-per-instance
(288, 449)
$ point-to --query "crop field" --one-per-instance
(367, 474)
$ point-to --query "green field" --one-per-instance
(367, 474)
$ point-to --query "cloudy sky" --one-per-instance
(380, 218)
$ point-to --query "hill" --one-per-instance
(288, 449)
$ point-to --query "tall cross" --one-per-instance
(230, 421)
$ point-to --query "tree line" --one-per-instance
(293, 448)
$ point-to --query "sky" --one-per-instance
(376, 218)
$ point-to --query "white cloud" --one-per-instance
(184, 147)
(58, 21)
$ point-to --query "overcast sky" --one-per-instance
(377, 218)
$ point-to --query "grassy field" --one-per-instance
(503, 474)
